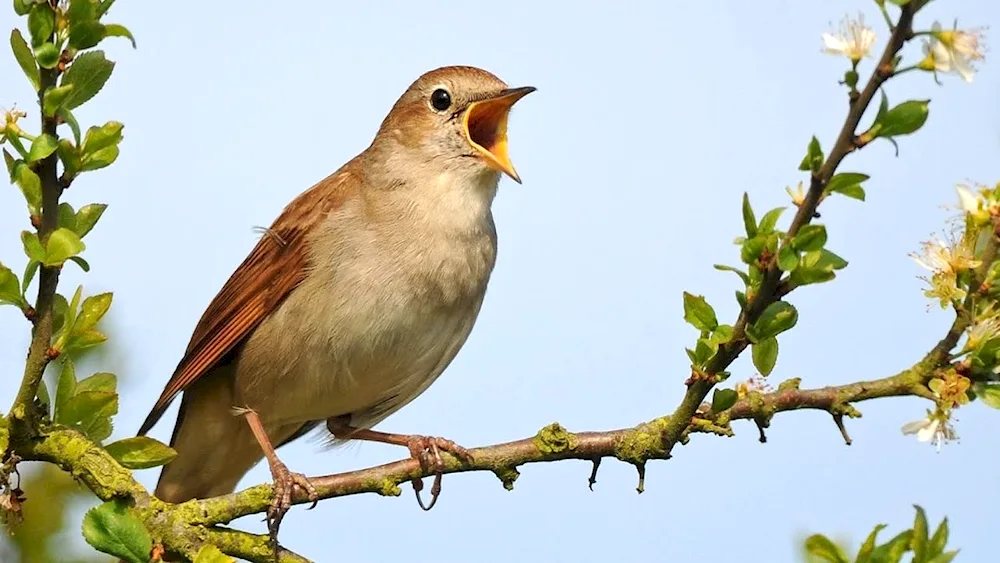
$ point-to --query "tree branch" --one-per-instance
(700, 384)
(185, 527)
(48, 279)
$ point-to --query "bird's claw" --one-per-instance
(427, 451)
(284, 484)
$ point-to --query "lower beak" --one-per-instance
(486, 127)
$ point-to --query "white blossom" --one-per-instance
(853, 39)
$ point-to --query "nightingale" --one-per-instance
(353, 301)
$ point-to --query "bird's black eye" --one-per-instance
(440, 99)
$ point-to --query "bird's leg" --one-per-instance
(425, 449)
(284, 480)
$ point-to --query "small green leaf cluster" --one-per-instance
(59, 62)
(916, 541)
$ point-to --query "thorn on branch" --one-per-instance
(593, 474)
(838, 419)
(641, 468)
(507, 476)
(761, 425)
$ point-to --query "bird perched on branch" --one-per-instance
(355, 299)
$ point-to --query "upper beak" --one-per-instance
(485, 124)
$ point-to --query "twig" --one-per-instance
(48, 278)
(768, 292)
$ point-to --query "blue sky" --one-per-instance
(650, 120)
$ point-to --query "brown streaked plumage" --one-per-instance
(354, 301)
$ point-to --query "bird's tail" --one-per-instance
(215, 447)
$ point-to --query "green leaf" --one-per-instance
(703, 351)
(65, 388)
(47, 55)
(944, 557)
(93, 310)
(31, 187)
(741, 299)
(723, 399)
(22, 7)
(99, 382)
(855, 192)
(752, 249)
(699, 313)
(904, 119)
(100, 146)
(84, 340)
(988, 393)
(111, 528)
(864, 554)
(116, 30)
(74, 307)
(810, 237)
(11, 163)
(83, 264)
(88, 74)
(824, 259)
(59, 310)
(67, 216)
(82, 11)
(893, 550)
(10, 288)
(814, 157)
(55, 98)
(70, 120)
(788, 259)
(90, 412)
(883, 105)
(211, 554)
(820, 546)
(765, 355)
(29, 274)
(25, 58)
(70, 158)
(776, 318)
(32, 248)
(41, 147)
(769, 220)
(939, 540)
(87, 217)
(41, 24)
(743, 276)
(62, 244)
(100, 159)
(141, 452)
(845, 181)
(87, 35)
(749, 221)
(918, 540)
(104, 6)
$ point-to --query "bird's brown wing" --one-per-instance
(275, 266)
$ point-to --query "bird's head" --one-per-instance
(455, 118)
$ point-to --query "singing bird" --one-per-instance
(355, 299)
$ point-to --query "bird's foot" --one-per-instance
(284, 483)
(427, 451)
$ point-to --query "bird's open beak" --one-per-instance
(486, 127)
